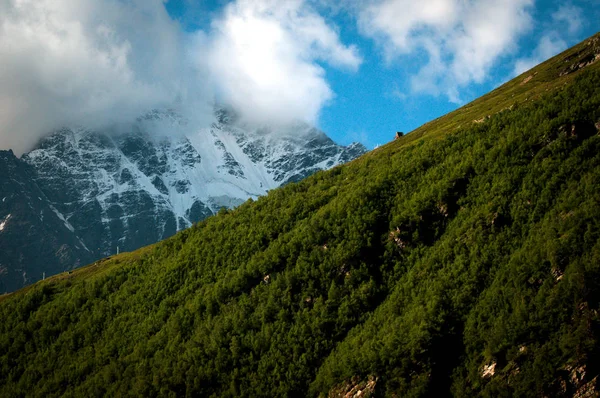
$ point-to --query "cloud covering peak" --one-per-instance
(67, 62)
(99, 62)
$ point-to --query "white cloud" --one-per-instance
(99, 62)
(549, 46)
(566, 23)
(264, 57)
(88, 61)
(462, 39)
(570, 15)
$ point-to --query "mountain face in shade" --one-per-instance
(34, 237)
(105, 190)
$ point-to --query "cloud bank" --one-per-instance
(462, 40)
(99, 62)
(93, 62)
(66, 62)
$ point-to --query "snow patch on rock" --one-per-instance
(3, 223)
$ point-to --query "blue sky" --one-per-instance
(358, 69)
(375, 100)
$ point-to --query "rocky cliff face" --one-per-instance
(132, 188)
(34, 236)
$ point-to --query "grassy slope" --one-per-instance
(459, 246)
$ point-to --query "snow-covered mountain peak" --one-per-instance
(163, 173)
(88, 192)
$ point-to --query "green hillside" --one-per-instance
(461, 259)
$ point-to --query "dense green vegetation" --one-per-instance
(459, 260)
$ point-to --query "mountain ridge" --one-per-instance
(118, 191)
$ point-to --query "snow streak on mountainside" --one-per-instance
(134, 188)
